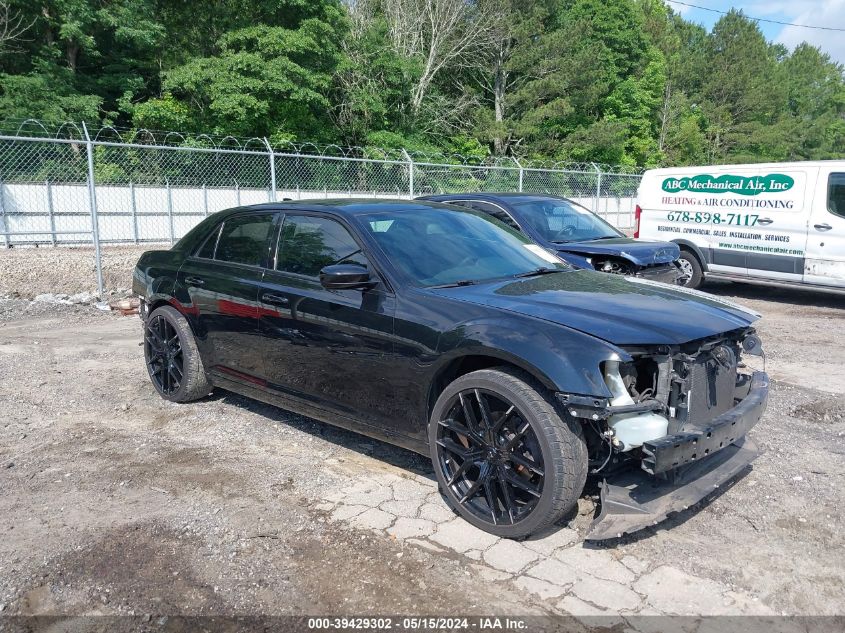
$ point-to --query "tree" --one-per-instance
(583, 51)
(13, 25)
(815, 95)
(740, 98)
(617, 81)
(437, 34)
(266, 80)
(513, 22)
(370, 92)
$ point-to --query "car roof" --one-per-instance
(343, 206)
(504, 195)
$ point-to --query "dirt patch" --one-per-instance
(823, 411)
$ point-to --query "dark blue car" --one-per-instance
(576, 234)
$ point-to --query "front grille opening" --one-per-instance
(640, 378)
(712, 383)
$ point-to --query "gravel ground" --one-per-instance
(28, 271)
(117, 502)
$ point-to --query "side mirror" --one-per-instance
(346, 277)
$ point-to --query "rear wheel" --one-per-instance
(691, 271)
(505, 460)
(173, 360)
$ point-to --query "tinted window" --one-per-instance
(562, 221)
(309, 244)
(243, 239)
(439, 246)
(207, 249)
(497, 212)
(836, 194)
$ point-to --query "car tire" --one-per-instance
(532, 436)
(691, 271)
(172, 358)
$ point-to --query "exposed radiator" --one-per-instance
(712, 385)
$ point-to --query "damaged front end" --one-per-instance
(665, 272)
(674, 429)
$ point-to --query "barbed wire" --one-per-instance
(104, 133)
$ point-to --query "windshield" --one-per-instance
(562, 221)
(440, 246)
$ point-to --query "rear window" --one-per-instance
(243, 239)
(206, 251)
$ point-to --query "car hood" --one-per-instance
(620, 310)
(639, 252)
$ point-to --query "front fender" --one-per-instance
(561, 358)
(702, 256)
(579, 261)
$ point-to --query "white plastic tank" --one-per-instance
(632, 429)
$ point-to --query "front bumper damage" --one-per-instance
(680, 470)
(666, 273)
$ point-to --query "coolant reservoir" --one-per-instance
(632, 429)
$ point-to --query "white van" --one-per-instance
(772, 222)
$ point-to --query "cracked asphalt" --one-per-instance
(117, 502)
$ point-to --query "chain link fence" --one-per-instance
(70, 187)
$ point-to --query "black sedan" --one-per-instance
(575, 233)
(444, 331)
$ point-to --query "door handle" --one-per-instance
(822, 227)
(274, 299)
(764, 221)
(194, 281)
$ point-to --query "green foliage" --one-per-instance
(265, 80)
(617, 81)
(45, 95)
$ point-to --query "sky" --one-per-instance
(828, 13)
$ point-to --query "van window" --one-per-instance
(836, 194)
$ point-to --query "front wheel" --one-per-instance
(506, 461)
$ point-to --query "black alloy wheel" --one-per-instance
(163, 351)
(491, 457)
(504, 458)
(173, 359)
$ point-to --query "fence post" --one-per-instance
(92, 203)
(50, 211)
(518, 164)
(170, 211)
(598, 187)
(134, 211)
(205, 199)
(4, 223)
(238, 193)
(410, 172)
(272, 170)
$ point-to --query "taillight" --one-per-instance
(637, 213)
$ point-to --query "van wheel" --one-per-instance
(691, 272)
(504, 457)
